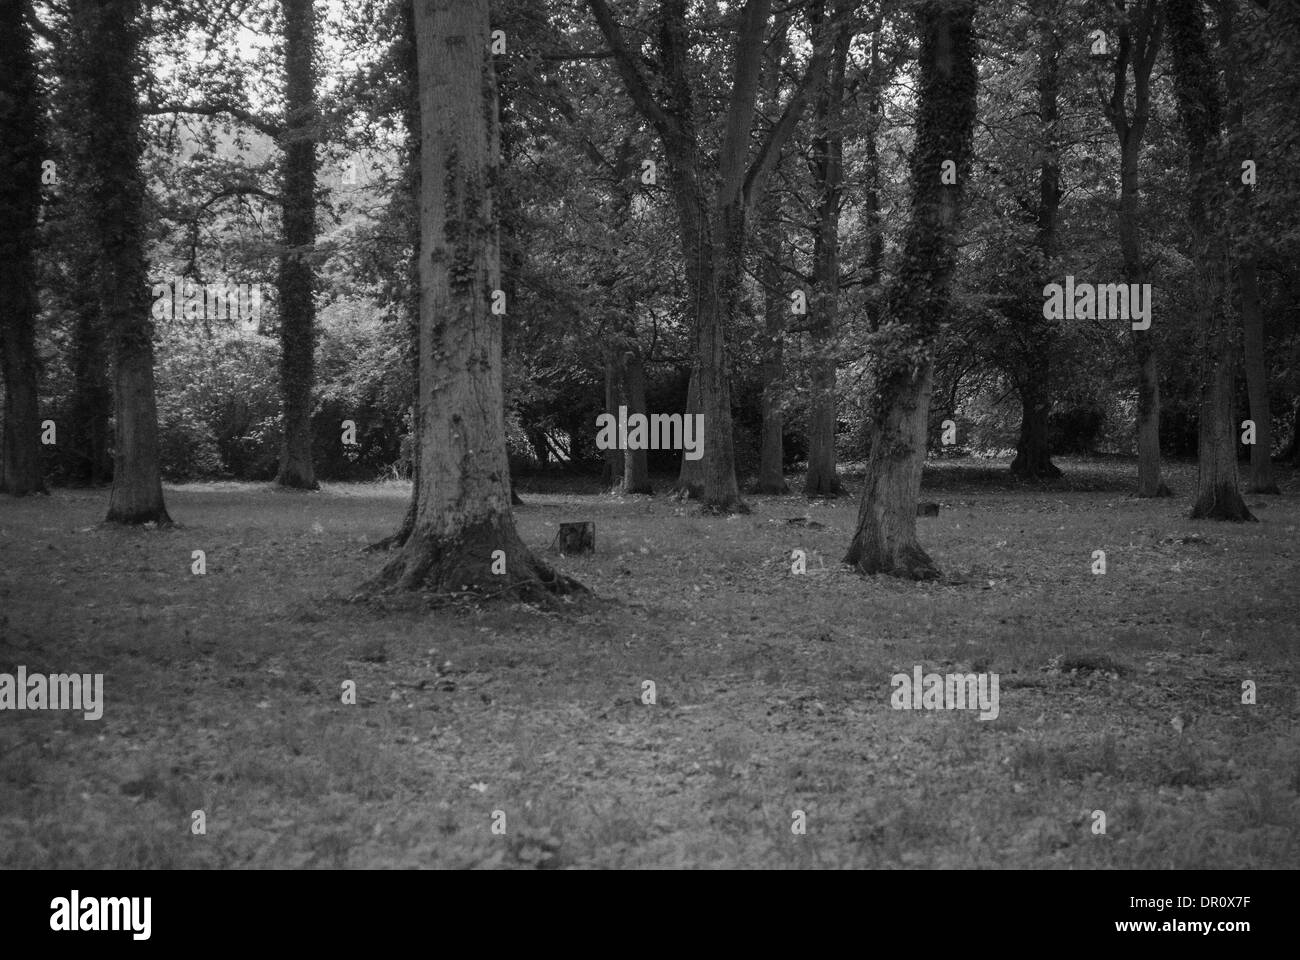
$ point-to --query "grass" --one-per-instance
(772, 690)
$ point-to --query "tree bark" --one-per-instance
(1261, 479)
(690, 477)
(463, 515)
(20, 197)
(636, 472)
(612, 477)
(104, 50)
(828, 172)
(1196, 88)
(771, 468)
(1139, 42)
(885, 540)
(1033, 457)
(296, 281)
(92, 397)
(1246, 273)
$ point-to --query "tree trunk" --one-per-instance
(1246, 273)
(690, 478)
(463, 515)
(296, 281)
(1150, 483)
(636, 473)
(410, 94)
(771, 468)
(1196, 87)
(828, 172)
(1139, 42)
(712, 233)
(1033, 458)
(1252, 322)
(92, 397)
(885, 540)
(104, 47)
(612, 477)
(20, 197)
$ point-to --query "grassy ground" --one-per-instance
(223, 690)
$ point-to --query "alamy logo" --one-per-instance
(186, 300)
(955, 691)
(102, 913)
(661, 431)
(1106, 301)
(58, 691)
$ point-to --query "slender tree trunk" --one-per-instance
(20, 198)
(1252, 322)
(410, 94)
(771, 469)
(636, 472)
(885, 540)
(296, 282)
(104, 46)
(1139, 42)
(464, 526)
(1196, 87)
(828, 171)
(612, 477)
(1033, 457)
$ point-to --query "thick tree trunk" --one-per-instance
(463, 515)
(104, 49)
(1033, 458)
(296, 281)
(1196, 87)
(885, 540)
(20, 198)
(690, 478)
(636, 472)
(92, 397)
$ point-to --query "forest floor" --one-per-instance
(1119, 694)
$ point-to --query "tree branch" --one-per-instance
(217, 110)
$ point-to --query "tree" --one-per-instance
(885, 540)
(1199, 109)
(463, 514)
(711, 222)
(1034, 348)
(1139, 31)
(295, 283)
(1246, 260)
(104, 58)
(827, 163)
(21, 155)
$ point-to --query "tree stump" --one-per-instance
(577, 537)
